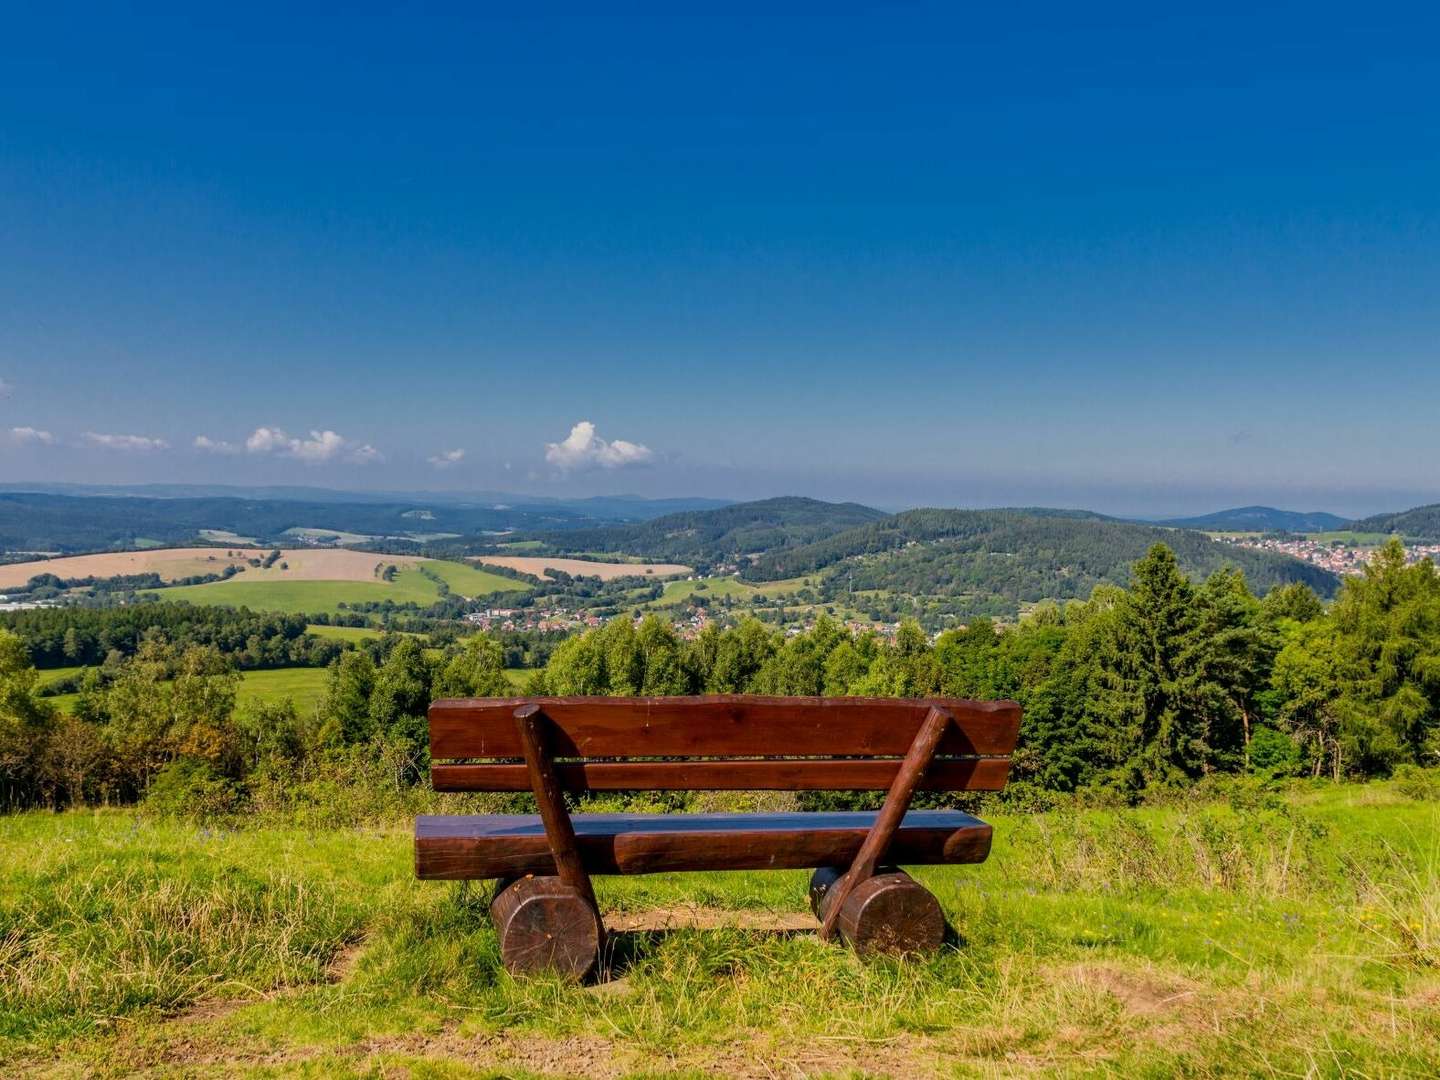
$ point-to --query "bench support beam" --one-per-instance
(549, 922)
(890, 913)
(897, 801)
(559, 830)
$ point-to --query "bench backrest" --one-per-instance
(721, 742)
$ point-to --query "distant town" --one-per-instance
(1337, 556)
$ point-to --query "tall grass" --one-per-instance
(1256, 934)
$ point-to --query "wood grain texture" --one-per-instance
(533, 729)
(511, 845)
(545, 925)
(897, 802)
(720, 726)
(736, 774)
(888, 913)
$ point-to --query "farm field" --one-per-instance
(1278, 937)
(302, 597)
(303, 685)
(677, 592)
(606, 571)
(322, 580)
(344, 633)
(470, 581)
(1349, 536)
(169, 563)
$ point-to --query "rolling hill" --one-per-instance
(702, 537)
(1260, 519)
(32, 521)
(1418, 523)
(1002, 558)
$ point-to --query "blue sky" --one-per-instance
(1129, 259)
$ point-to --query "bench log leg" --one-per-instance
(888, 913)
(546, 925)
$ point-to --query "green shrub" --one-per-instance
(1274, 753)
(191, 789)
(1416, 783)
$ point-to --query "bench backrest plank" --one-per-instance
(779, 743)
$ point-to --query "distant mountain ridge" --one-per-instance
(1259, 519)
(712, 536)
(31, 521)
(604, 507)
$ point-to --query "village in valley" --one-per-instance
(1343, 556)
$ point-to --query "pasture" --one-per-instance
(677, 592)
(470, 581)
(315, 581)
(1255, 935)
(302, 597)
(344, 633)
(303, 685)
(537, 565)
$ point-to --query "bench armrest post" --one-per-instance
(559, 830)
(897, 801)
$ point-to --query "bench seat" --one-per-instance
(457, 847)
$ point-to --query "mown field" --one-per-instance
(305, 686)
(411, 585)
(1259, 936)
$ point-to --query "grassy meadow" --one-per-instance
(302, 597)
(305, 686)
(1294, 936)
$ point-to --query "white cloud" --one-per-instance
(139, 444)
(215, 446)
(321, 447)
(364, 455)
(266, 440)
(6, 389)
(446, 459)
(29, 436)
(583, 449)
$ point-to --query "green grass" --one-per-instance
(317, 597)
(1296, 938)
(1349, 536)
(53, 675)
(307, 597)
(304, 686)
(344, 633)
(471, 582)
(677, 592)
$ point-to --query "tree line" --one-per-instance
(1153, 685)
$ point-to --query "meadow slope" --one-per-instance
(1260, 935)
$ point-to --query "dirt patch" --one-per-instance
(342, 965)
(705, 918)
(1143, 992)
(589, 1056)
(605, 571)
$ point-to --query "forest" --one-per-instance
(708, 537)
(1135, 689)
(1019, 555)
(1421, 523)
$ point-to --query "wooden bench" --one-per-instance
(544, 907)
